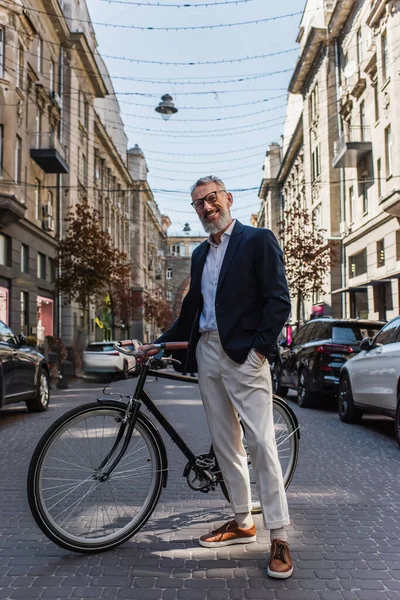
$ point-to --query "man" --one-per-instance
(236, 306)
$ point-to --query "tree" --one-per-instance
(157, 309)
(90, 267)
(307, 255)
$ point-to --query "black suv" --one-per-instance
(311, 363)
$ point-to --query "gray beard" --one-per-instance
(222, 222)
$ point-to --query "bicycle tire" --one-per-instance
(282, 407)
(102, 521)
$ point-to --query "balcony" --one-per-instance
(11, 210)
(352, 147)
(48, 153)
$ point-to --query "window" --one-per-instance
(398, 245)
(351, 204)
(321, 331)
(317, 216)
(52, 86)
(362, 120)
(4, 250)
(315, 163)
(61, 91)
(380, 253)
(358, 263)
(376, 101)
(379, 176)
(388, 151)
(359, 47)
(38, 127)
(24, 258)
(4, 305)
(178, 249)
(314, 104)
(37, 199)
(24, 312)
(169, 296)
(364, 195)
(169, 273)
(86, 113)
(384, 54)
(83, 169)
(18, 158)
(2, 45)
(96, 165)
(41, 265)
(40, 55)
(387, 334)
(45, 318)
(1, 149)
(20, 67)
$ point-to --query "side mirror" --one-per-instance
(22, 339)
(366, 344)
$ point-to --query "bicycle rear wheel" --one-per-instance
(287, 441)
(68, 499)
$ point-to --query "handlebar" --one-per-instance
(139, 353)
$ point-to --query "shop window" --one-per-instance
(45, 318)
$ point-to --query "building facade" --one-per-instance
(178, 261)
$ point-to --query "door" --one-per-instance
(25, 368)
(293, 354)
(7, 359)
(372, 377)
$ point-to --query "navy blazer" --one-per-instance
(252, 301)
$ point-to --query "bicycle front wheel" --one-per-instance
(70, 501)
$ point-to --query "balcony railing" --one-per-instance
(49, 153)
(352, 147)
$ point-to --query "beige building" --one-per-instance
(149, 245)
(367, 155)
(62, 140)
(178, 261)
(340, 151)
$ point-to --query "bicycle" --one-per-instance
(97, 473)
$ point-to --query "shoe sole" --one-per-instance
(247, 540)
(278, 575)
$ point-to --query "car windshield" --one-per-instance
(100, 348)
(352, 333)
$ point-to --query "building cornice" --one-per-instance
(367, 228)
(376, 13)
(317, 37)
(292, 150)
(340, 14)
(87, 57)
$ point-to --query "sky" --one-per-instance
(228, 113)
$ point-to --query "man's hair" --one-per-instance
(205, 180)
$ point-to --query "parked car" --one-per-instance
(101, 358)
(370, 381)
(24, 372)
(311, 364)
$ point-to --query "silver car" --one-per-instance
(101, 358)
(370, 381)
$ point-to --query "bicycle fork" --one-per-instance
(127, 425)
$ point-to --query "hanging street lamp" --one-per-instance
(166, 108)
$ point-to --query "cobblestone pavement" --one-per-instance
(344, 503)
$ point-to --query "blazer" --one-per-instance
(252, 300)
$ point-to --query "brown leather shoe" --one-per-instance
(227, 534)
(280, 563)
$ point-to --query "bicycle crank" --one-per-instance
(200, 475)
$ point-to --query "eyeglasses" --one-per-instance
(211, 197)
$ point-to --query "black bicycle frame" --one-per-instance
(142, 395)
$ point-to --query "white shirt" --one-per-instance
(209, 279)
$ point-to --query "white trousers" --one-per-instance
(229, 389)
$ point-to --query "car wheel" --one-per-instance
(305, 398)
(348, 413)
(397, 420)
(277, 388)
(40, 402)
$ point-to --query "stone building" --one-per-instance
(178, 260)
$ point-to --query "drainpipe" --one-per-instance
(342, 180)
